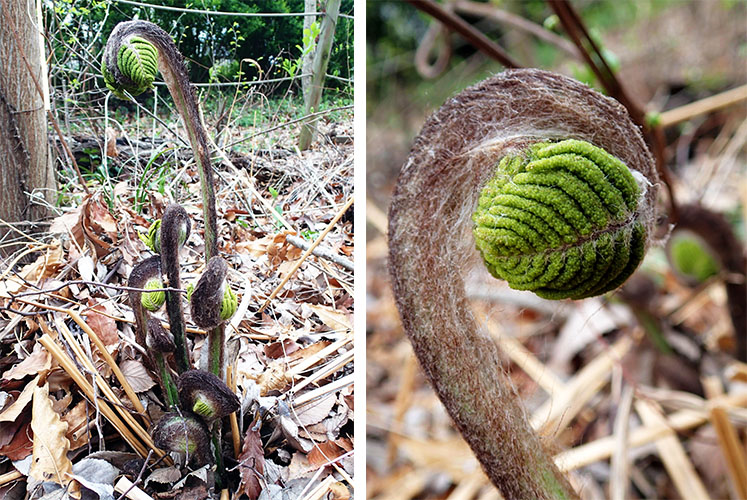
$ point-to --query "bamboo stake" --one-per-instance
(67, 364)
(231, 379)
(99, 344)
(322, 391)
(553, 416)
(106, 389)
(307, 253)
(110, 361)
(671, 452)
(127, 488)
(9, 476)
(728, 438)
(703, 106)
(602, 448)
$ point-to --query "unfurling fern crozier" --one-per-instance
(561, 219)
(551, 186)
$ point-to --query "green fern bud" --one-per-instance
(229, 304)
(190, 290)
(137, 60)
(153, 301)
(152, 239)
(561, 220)
(690, 257)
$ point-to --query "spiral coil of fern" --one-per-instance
(510, 118)
(561, 220)
(127, 66)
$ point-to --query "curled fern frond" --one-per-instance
(137, 64)
(561, 220)
(153, 301)
(229, 305)
(152, 238)
(208, 300)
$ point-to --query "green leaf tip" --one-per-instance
(152, 239)
(153, 301)
(562, 220)
(137, 61)
(690, 257)
(206, 395)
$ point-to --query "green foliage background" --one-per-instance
(207, 41)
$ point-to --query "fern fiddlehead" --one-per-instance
(128, 65)
(561, 220)
(493, 177)
(135, 69)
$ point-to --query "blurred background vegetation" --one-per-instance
(666, 52)
(213, 45)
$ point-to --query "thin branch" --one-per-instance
(466, 30)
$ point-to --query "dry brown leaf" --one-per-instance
(300, 467)
(101, 219)
(338, 491)
(45, 265)
(324, 453)
(111, 142)
(315, 411)
(136, 375)
(103, 326)
(77, 421)
(50, 462)
(11, 413)
(333, 318)
(21, 445)
(38, 362)
(309, 350)
(252, 463)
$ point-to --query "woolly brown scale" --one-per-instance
(142, 272)
(432, 249)
(174, 225)
(207, 297)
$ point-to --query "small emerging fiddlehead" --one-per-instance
(208, 297)
(206, 395)
(143, 272)
(184, 433)
(478, 143)
(561, 220)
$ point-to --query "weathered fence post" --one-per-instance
(308, 21)
(318, 72)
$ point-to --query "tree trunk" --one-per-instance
(26, 169)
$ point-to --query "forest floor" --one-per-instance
(67, 422)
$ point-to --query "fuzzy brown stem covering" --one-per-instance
(175, 221)
(432, 250)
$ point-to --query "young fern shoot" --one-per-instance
(134, 53)
(550, 184)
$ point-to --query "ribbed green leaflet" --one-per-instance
(137, 59)
(561, 220)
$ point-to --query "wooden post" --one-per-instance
(308, 6)
(318, 71)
